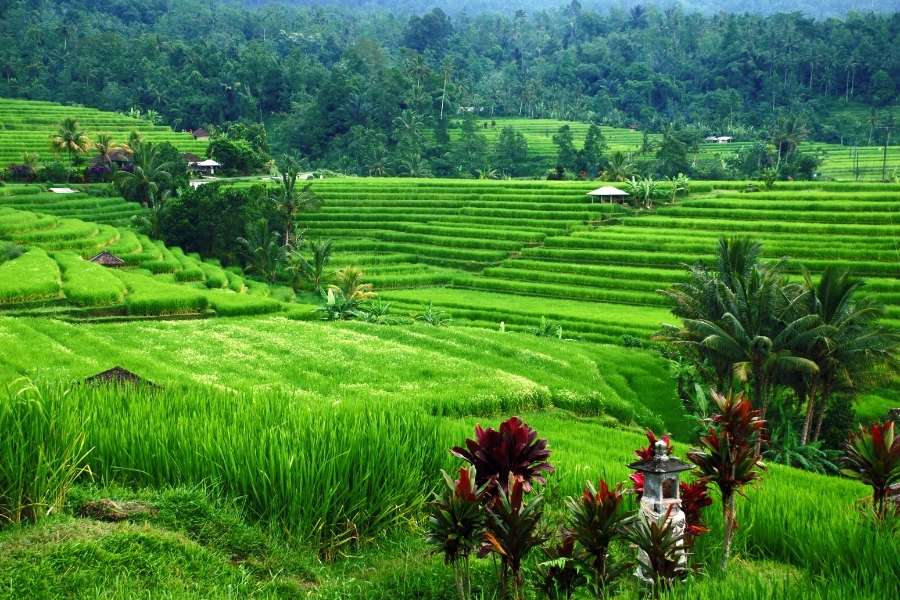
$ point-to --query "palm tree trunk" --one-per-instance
(822, 410)
(810, 411)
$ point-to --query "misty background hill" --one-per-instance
(815, 8)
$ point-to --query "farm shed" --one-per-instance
(608, 193)
(107, 259)
(200, 134)
(117, 375)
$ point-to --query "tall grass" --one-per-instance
(42, 452)
(327, 473)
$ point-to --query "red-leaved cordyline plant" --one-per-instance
(456, 525)
(595, 520)
(513, 532)
(513, 450)
(729, 454)
(694, 498)
(872, 455)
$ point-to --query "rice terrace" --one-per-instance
(449, 300)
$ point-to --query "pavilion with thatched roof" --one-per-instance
(107, 259)
(119, 376)
(608, 193)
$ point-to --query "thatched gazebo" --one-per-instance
(107, 259)
(608, 193)
(117, 375)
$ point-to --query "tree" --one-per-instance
(787, 132)
(349, 281)
(410, 144)
(743, 320)
(313, 269)
(729, 455)
(430, 31)
(566, 154)
(263, 250)
(209, 219)
(619, 167)
(469, 153)
(591, 158)
(70, 138)
(236, 155)
(673, 152)
(105, 147)
(853, 350)
(511, 152)
(150, 174)
(289, 201)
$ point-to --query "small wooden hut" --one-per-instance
(108, 259)
(608, 193)
(118, 376)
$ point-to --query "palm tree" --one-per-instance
(787, 133)
(152, 222)
(620, 166)
(745, 319)
(312, 270)
(150, 176)
(105, 147)
(289, 201)
(853, 351)
(263, 250)
(349, 281)
(71, 139)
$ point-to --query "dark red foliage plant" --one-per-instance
(694, 498)
(514, 450)
(729, 454)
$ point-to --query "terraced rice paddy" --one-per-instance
(89, 203)
(516, 251)
(28, 125)
(53, 277)
(843, 163)
(539, 135)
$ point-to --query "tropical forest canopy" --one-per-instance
(345, 86)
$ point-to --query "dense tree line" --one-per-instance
(373, 92)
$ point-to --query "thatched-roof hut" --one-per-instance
(117, 375)
(107, 259)
(608, 193)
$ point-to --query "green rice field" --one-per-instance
(28, 125)
(513, 251)
(845, 163)
(53, 278)
(254, 445)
